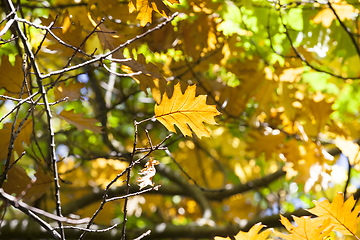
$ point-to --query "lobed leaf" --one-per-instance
(78, 120)
(186, 111)
(344, 219)
(307, 228)
(253, 234)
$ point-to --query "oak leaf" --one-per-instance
(149, 78)
(78, 120)
(11, 77)
(344, 219)
(146, 7)
(22, 137)
(20, 184)
(17, 180)
(307, 228)
(253, 234)
(186, 111)
(42, 184)
(72, 91)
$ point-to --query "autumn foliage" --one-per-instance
(179, 119)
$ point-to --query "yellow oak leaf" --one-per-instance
(72, 91)
(186, 111)
(11, 77)
(253, 234)
(344, 219)
(307, 228)
(146, 7)
(78, 120)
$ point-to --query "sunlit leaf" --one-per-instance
(186, 111)
(306, 228)
(253, 234)
(145, 9)
(342, 215)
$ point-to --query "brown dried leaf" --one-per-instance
(148, 173)
(72, 91)
(78, 120)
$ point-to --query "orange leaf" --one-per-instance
(186, 111)
(72, 91)
(307, 228)
(11, 77)
(17, 180)
(150, 77)
(342, 217)
(78, 120)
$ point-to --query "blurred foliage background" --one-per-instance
(283, 74)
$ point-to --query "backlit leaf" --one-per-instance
(253, 234)
(307, 228)
(186, 111)
(146, 7)
(344, 219)
(78, 120)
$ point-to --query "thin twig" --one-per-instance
(147, 233)
(128, 181)
(22, 101)
(35, 67)
(91, 230)
(23, 206)
(116, 178)
(133, 194)
(104, 56)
